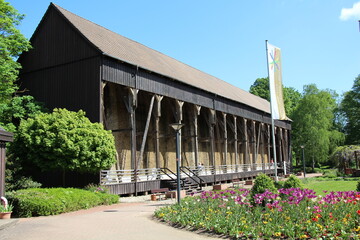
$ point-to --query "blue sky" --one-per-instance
(320, 40)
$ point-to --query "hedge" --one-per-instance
(51, 201)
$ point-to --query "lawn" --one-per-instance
(330, 185)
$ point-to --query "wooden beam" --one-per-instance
(212, 122)
(179, 117)
(157, 114)
(262, 146)
(197, 109)
(236, 141)
(245, 145)
(253, 140)
(225, 140)
(145, 132)
(131, 105)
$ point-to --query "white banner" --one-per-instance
(275, 81)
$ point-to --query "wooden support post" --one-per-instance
(285, 149)
(236, 143)
(157, 114)
(262, 145)
(245, 145)
(196, 137)
(131, 105)
(279, 140)
(225, 140)
(179, 113)
(253, 140)
(179, 117)
(258, 143)
(212, 122)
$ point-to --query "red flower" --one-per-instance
(358, 212)
(315, 219)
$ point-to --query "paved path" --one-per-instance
(119, 221)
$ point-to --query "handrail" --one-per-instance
(163, 170)
(194, 174)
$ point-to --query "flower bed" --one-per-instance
(292, 213)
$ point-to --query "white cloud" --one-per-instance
(351, 13)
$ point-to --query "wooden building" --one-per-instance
(136, 92)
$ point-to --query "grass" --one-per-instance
(319, 186)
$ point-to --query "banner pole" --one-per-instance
(272, 118)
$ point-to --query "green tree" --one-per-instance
(12, 44)
(19, 107)
(291, 95)
(261, 88)
(64, 140)
(313, 124)
(350, 107)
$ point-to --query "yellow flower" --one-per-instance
(357, 229)
(303, 236)
(161, 215)
(277, 234)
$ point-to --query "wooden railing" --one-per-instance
(148, 174)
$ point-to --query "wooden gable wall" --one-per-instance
(63, 68)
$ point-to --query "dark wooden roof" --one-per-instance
(119, 47)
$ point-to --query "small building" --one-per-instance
(5, 137)
(136, 92)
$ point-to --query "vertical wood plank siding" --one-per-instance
(155, 83)
(56, 42)
(115, 72)
(73, 86)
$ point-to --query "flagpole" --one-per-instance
(272, 118)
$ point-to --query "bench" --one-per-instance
(237, 183)
(161, 192)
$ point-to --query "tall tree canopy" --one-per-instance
(313, 124)
(350, 107)
(291, 95)
(12, 44)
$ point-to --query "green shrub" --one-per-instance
(262, 182)
(52, 201)
(279, 184)
(64, 140)
(293, 182)
(358, 186)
